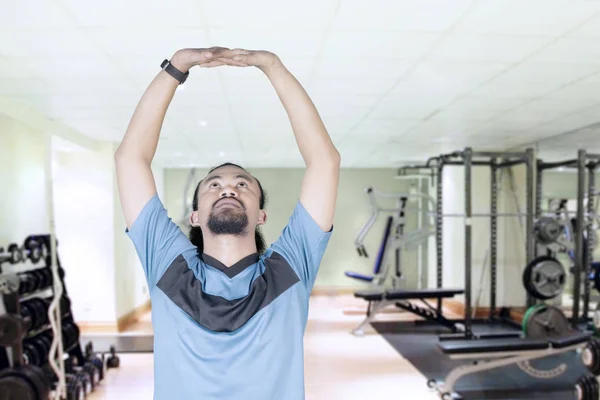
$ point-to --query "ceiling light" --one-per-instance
(203, 123)
(222, 154)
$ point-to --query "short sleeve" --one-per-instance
(303, 243)
(157, 239)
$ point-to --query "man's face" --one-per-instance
(229, 203)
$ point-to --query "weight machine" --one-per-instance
(583, 228)
(495, 161)
(546, 328)
(395, 238)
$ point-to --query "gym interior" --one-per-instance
(464, 261)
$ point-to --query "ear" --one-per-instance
(194, 219)
(262, 217)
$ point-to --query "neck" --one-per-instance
(229, 249)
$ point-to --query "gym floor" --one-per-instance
(338, 365)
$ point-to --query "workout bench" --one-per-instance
(380, 299)
(505, 352)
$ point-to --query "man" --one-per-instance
(228, 320)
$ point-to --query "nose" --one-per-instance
(228, 192)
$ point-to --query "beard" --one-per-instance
(228, 221)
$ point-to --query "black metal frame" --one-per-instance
(583, 163)
(469, 158)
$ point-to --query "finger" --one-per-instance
(202, 56)
(210, 64)
(232, 62)
(237, 52)
(246, 59)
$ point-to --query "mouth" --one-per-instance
(228, 201)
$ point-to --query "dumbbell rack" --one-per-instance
(27, 293)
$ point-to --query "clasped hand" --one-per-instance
(219, 56)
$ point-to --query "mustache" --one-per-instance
(229, 198)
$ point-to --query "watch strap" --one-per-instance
(174, 72)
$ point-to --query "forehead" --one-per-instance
(229, 173)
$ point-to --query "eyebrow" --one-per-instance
(239, 176)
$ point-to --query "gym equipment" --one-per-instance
(113, 361)
(590, 356)
(501, 352)
(75, 388)
(26, 382)
(95, 360)
(545, 321)
(377, 276)
(28, 297)
(495, 161)
(394, 238)
(582, 225)
(547, 230)
(544, 278)
(587, 388)
(400, 297)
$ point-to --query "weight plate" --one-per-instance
(33, 249)
(587, 383)
(546, 321)
(32, 352)
(93, 373)
(547, 230)
(527, 316)
(15, 388)
(16, 254)
(583, 382)
(578, 391)
(544, 278)
(37, 378)
(595, 390)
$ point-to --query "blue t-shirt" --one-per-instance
(228, 333)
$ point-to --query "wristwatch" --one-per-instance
(174, 72)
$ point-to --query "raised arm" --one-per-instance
(134, 156)
(320, 184)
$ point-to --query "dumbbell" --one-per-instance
(44, 278)
(37, 310)
(27, 283)
(75, 389)
(84, 378)
(65, 305)
(34, 249)
(95, 360)
(14, 256)
(31, 353)
(70, 333)
(113, 361)
(27, 382)
(94, 372)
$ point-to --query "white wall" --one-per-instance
(22, 166)
(83, 198)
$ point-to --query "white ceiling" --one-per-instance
(394, 80)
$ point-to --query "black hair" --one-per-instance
(196, 232)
